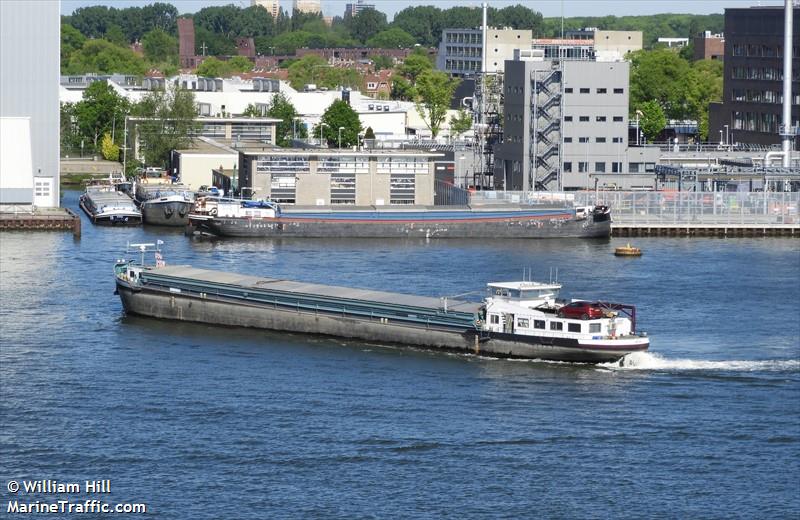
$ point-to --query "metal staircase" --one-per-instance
(546, 113)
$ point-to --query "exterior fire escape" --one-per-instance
(546, 116)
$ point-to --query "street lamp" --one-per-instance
(638, 113)
(720, 138)
(321, 124)
(727, 136)
(340, 137)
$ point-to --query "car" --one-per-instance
(581, 309)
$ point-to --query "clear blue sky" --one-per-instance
(546, 7)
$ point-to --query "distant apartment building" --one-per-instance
(460, 50)
(709, 46)
(29, 102)
(273, 7)
(307, 6)
(608, 45)
(752, 95)
(354, 9)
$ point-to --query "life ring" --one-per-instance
(212, 212)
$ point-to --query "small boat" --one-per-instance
(164, 204)
(520, 319)
(104, 204)
(627, 250)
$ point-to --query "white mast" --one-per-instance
(787, 135)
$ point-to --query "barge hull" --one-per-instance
(239, 305)
(172, 213)
(509, 228)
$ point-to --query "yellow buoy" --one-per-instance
(628, 250)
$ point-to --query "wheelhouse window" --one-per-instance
(574, 327)
(538, 324)
(556, 325)
(523, 323)
(594, 327)
(494, 319)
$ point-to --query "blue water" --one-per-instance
(205, 422)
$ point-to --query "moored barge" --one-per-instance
(516, 319)
(104, 204)
(245, 218)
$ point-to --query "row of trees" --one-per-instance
(664, 85)
(97, 123)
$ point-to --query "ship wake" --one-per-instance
(650, 361)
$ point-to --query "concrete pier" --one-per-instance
(45, 219)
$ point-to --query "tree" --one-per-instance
(434, 92)
(281, 108)
(108, 148)
(424, 23)
(169, 125)
(705, 87)
(255, 21)
(213, 68)
(288, 43)
(662, 76)
(381, 62)
(251, 111)
(339, 115)
(518, 17)
(460, 123)
(209, 43)
(392, 38)
(652, 120)
(240, 64)
(115, 35)
(369, 134)
(71, 41)
(160, 47)
(103, 57)
(366, 24)
(100, 111)
(308, 69)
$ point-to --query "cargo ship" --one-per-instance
(246, 218)
(521, 319)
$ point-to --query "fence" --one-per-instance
(699, 208)
(667, 208)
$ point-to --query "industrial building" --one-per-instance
(750, 112)
(29, 92)
(460, 50)
(329, 176)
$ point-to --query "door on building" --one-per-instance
(43, 192)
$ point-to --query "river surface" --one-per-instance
(199, 421)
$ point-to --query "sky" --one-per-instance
(547, 7)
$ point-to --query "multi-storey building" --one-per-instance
(752, 94)
(272, 6)
(354, 9)
(460, 50)
(709, 46)
(569, 117)
(29, 91)
(307, 6)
